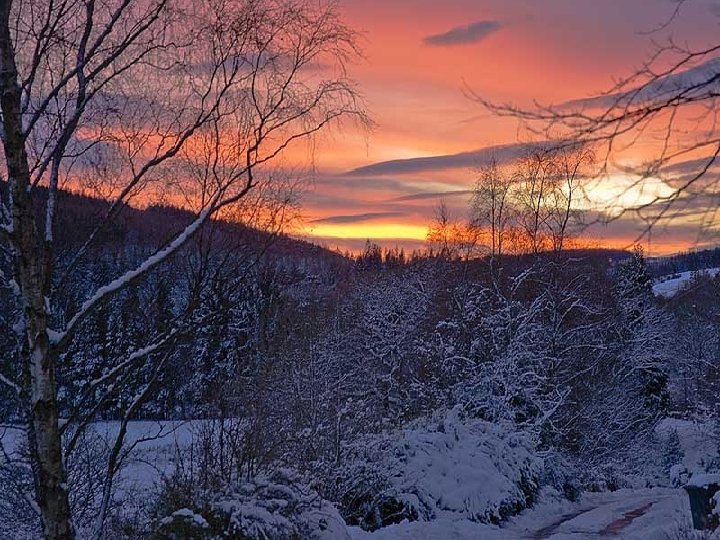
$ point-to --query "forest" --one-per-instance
(327, 374)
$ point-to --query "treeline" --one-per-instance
(687, 261)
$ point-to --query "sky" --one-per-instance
(421, 57)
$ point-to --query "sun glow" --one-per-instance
(374, 231)
(614, 193)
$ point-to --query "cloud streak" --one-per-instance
(693, 166)
(690, 83)
(502, 155)
(433, 195)
(463, 35)
(358, 218)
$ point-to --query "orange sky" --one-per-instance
(514, 51)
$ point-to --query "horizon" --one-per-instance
(356, 246)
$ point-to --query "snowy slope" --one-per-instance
(647, 514)
(668, 286)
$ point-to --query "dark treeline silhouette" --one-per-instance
(687, 261)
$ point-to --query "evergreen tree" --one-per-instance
(644, 331)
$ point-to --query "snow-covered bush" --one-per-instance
(184, 523)
(673, 453)
(560, 474)
(445, 465)
(679, 475)
(274, 506)
(609, 476)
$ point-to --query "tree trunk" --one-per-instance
(31, 273)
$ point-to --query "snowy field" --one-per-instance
(668, 286)
(153, 457)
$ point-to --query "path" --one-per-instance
(646, 514)
(643, 514)
(612, 529)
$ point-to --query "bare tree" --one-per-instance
(491, 209)
(534, 186)
(570, 166)
(133, 94)
(534, 205)
(669, 105)
(449, 236)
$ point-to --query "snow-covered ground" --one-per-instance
(153, 456)
(638, 514)
(643, 514)
(668, 286)
(648, 514)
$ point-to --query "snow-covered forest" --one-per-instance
(177, 363)
(311, 392)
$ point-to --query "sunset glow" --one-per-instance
(616, 192)
(422, 59)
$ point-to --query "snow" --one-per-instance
(704, 480)
(461, 479)
(153, 457)
(668, 286)
(277, 506)
(449, 467)
(11, 384)
(466, 470)
(54, 336)
(678, 475)
(644, 514)
(189, 515)
(445, 529)
(664, 512)
(697, 440)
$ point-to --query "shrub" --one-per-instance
(445, 465)
(274, 506)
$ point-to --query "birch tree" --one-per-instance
(131, 96)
